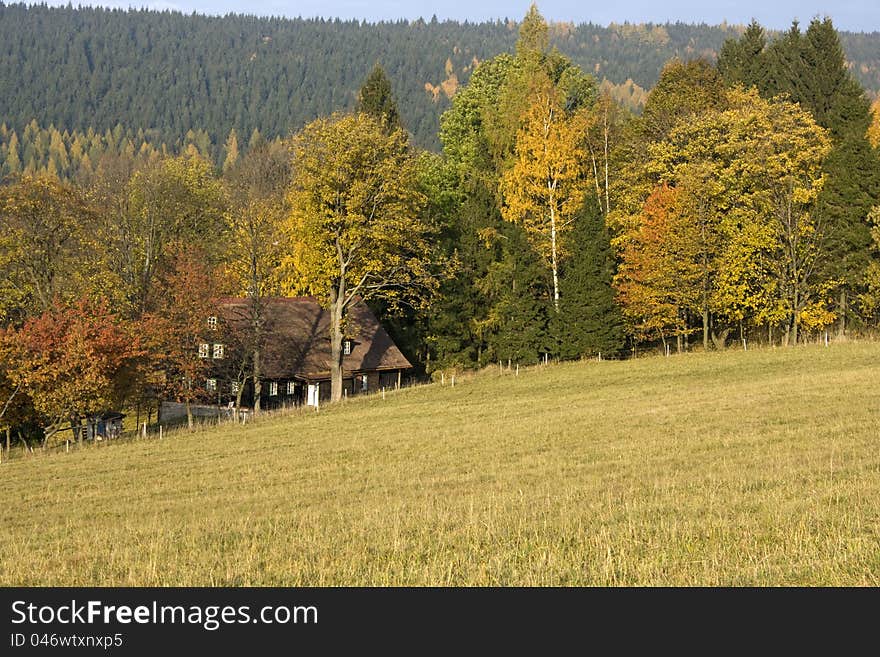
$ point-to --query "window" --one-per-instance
(212, 322)
(273, 389)
(211, 385)
(363, 381)
(346, 347)
(291, 387)
(218, 351)
(235, 387)
(203, 350)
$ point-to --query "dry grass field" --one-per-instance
(757, 468)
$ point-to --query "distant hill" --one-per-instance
(169, 73)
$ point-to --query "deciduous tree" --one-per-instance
(257, 189)
(546, 186)
(355, 228)
(178, 327)
(75, 362)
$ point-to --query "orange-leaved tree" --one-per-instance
(658, 280)
(177, 328)
(74, 362)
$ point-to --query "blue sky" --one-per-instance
(856, 15)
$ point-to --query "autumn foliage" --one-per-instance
(74, 362)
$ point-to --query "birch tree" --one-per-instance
(546, 186)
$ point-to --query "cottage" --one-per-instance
(295, 358)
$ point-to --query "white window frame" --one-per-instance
(347, 347)
(218, 351)
(364, 382)
(234, 387)
(204, 350)
(212, 322)
(291, 388)
(211, 385)
(273, 388)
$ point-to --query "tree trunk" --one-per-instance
(238, 400)
(8, 438)
(720, 339)
(189, 415)
(258, 386)
(705, 329)
(841, 327)
(336, 310)
(596, 178)
(553, 258)
(607, 197)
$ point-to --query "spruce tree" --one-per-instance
(376, 99)
(811, 69)
(590, 322)
(743, 60)
(516, 288)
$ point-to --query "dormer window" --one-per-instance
(218, 351)
(212, 322)
(203, 350)
(347, 346)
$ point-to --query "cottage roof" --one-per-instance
(298, 343)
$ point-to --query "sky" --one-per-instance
(852, 15)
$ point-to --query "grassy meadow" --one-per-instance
(757, 468)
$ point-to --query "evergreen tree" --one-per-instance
(590, 321)
(377, 99)
(811, 69)
(516, 287)
(744, 60)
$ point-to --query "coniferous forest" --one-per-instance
(171, 74)
(504, 192)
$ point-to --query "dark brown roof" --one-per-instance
(298, 342)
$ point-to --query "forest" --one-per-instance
(168, 73)
(740, 206)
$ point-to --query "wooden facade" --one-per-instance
(295, 357)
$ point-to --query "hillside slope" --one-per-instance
(735, 468)
(168, 72)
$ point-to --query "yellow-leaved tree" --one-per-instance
(752, 172)
(356, 227)
(546, 185)
(874, 128)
